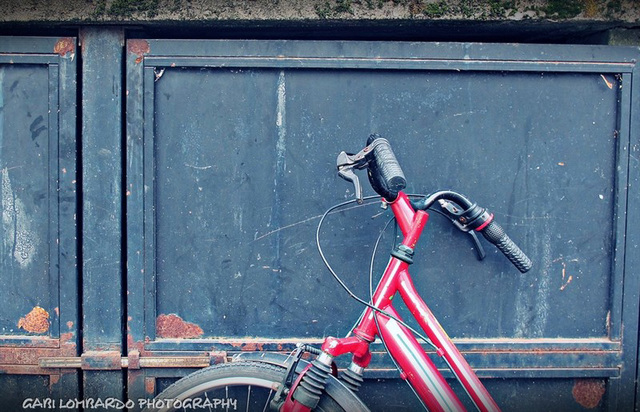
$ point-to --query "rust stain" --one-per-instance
(217, 357)
(150, 385)
(564, 286)
(134, 359)
(173, 326)
(139, 47)
(588, 392)
(70, 325)
(36, 321)
(53, 379)
(65, 45)
(566, 279)
(57, 311)
(249, 346)
(137, 345)
(101, 360)
(111, 347)
(134, 376)
(66, 337)
(25, 359)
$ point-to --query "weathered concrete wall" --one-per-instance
(625, 12)
(623, 37)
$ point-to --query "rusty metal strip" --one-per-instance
(108, 361)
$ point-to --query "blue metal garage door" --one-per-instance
(230, 159)
(167, 220)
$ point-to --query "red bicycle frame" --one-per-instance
(414, 363)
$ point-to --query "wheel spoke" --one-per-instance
(266, 404)
(248, 397)
(208, 400)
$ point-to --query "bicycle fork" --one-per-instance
(306, 391)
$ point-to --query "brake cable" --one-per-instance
(341, 282)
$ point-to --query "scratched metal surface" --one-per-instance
(244, 162)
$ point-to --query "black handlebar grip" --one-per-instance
(494, 233)
(385, 173)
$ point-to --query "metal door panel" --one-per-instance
(38, 258)
(214, 180)
(231, 157)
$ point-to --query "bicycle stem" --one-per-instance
(405, 216)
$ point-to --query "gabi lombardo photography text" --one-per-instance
(117, 404)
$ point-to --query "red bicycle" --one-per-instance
(263, 381)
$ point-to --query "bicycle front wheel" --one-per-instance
(242, 386)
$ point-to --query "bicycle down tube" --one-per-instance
(414, 363)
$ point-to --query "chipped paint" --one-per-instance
(173, 326)
(138, 47)
(36, 321)
(607, 82)
(588, 392)
(18, 234)
(64, 46)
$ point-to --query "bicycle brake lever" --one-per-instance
(478, 246)
(346, 164)
(453, 212)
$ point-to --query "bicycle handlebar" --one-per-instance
(494, 233)
(384, 171)
(387, 179)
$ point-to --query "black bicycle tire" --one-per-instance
(337, 397)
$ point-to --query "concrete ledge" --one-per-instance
(625, 12)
